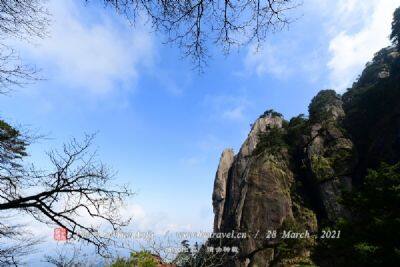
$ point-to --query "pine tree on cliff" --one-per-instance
(395, 35)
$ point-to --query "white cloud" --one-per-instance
(143, 220)
(355, 30)
(228, 107)
(235, 113)
(351, 48)
(97, 56)
(158, 222)
(283, 59)
(264, 60)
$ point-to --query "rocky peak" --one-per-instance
(326, 105)
(261, 125)
(380, 68)
(219, 192)
(256, 189)
(330, 152)
(372, 111)
(257, 192)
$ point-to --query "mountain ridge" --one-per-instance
(293, 174)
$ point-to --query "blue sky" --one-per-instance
(160, 124)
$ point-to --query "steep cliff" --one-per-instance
(372, 109)
(291, 175)
(258, 188)
(329, 153)
(219, 193)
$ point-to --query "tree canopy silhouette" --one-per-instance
(19, 20)
(395, 35)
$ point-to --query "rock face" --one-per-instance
(257, 194)
(329, 153)
(237, 184)
(219, 193)
(257, 191)
(373, 111)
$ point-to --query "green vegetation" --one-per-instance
(272, 113)
(370, 233)
(12, 143)
(288, 137)
(395, 35)
(321, 168)
(137, 259)
(371, 107)
(296, 128)
(345, 137)
(272, 141)
(372, 236)
(185, 257)
(372, 115)
(317, 108)
(293, 249)
(303, 215)
(198, 256)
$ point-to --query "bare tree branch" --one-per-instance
(194, 25)
(78, 186)
(24, 20)
(16, 242)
